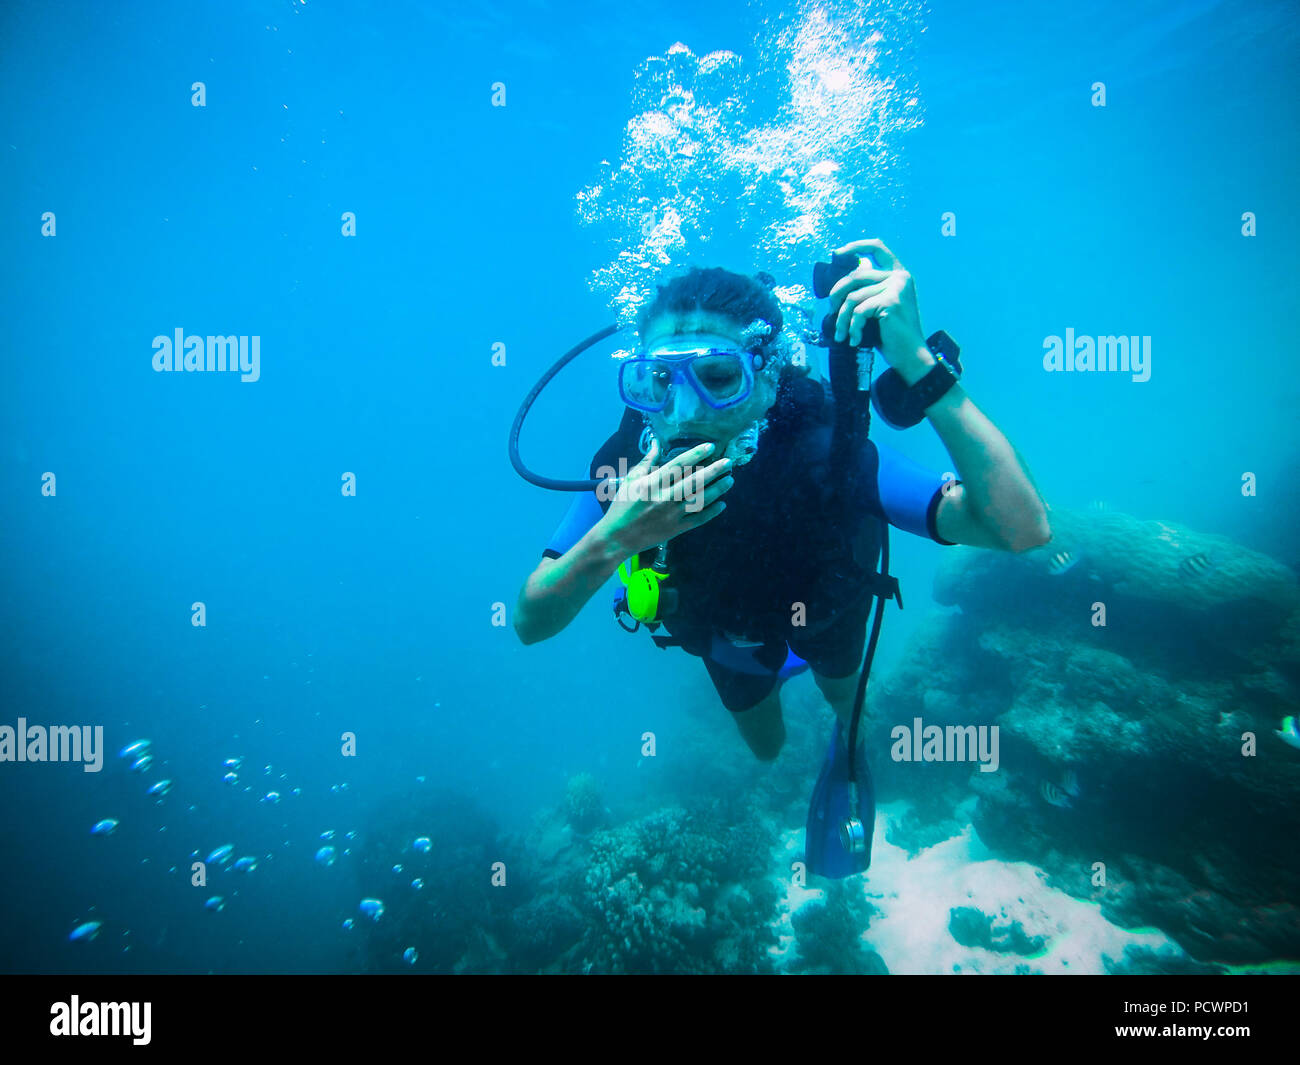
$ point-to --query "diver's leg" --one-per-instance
(835, 656)
(762, 727)
(752, 699)
(839, 692)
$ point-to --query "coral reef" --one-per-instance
(456, 919)
(1143, 961)
(1174, 818)
(544, 928)
(584, 806)
(684, 889)
(1137, 772)
(972, 927)
(829, 933)
(679, 891)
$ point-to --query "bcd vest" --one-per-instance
(792, 544)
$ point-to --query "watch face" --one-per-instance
(944, 347)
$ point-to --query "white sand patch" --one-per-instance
(915, 896)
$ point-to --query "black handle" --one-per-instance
(825, 277)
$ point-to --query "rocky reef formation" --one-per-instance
(694, 886)
(428, 858)
(680, 892)
(584, 806)
(971, 927)
(1136, 671)
(828, 934)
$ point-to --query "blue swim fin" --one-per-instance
(824, 854)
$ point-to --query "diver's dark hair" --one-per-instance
(743, 299)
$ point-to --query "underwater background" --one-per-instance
(517, 176)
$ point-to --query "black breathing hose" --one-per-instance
(528, 475)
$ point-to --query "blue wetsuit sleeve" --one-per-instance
(908, 494)
(583, 513)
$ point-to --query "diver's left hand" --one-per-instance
(887, 294)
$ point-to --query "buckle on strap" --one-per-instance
(885, 587)
(622, 615)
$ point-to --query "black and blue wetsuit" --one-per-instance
(791, 534)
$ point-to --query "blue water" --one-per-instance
(373, 614)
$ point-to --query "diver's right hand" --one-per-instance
(652, 505)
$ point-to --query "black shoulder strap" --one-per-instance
(622, 444)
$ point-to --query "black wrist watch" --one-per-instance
(901, 406)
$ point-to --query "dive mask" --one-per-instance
(721, 377)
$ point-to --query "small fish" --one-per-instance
(1288, 733)
(157, 791)
(1061, 562)
(134, 750)
(1196, 566)
(1055, 796)
(105, 827)
(245, 865)
(215, 904)
(221, 854)
(85, 932)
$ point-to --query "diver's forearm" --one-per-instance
(1000, 490)
(556, 593)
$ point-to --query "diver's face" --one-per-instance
(686, 413)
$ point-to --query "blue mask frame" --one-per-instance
(681, 368)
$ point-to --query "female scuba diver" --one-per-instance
(734, 491)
